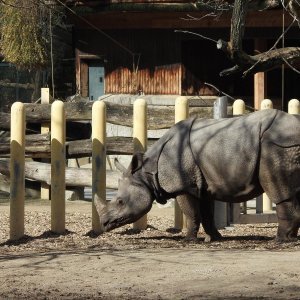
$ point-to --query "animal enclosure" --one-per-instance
(59, 151)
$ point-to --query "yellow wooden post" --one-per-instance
(58, 156)
(45, 128)
(266, 104)
(267, 203)
(98, 162)
(140, 142)
(17, 165)
(181, 113)
(294, 107)
(238, 109)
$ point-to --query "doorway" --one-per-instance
(96, 80)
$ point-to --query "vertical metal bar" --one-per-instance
(220, 111)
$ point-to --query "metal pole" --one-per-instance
(220, 111)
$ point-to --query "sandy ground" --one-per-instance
(153, 264)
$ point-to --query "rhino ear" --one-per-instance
(136, 162)
(119, 166)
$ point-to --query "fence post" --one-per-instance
(238, 109)
(266, 202)
(294, 107)
(98, 161)
(58, 156)
(181, 113)
(266, 104)
(140, 142)
(220, 111)
(45, 128)
(17, 165)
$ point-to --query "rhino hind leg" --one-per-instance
(288, 213)
(207, 219)
(190, 208)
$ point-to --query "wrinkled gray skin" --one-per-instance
(231, 160)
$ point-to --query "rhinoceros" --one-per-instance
(231, 160)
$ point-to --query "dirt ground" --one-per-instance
(153, 264)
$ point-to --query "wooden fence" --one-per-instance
(58, 112)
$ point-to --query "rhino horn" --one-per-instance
(100, 205)
(119, 166)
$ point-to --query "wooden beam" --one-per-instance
(74, 176)
(158, 117)
(260, 77)
(257, 218)
(38, 146)
(151, 20)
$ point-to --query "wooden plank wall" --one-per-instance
(164, 80)
(157, 61)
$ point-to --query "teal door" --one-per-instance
(96, 81)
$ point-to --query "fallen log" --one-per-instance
(8, 84)
(74, 176)
(32, 188)
(158, 117)
(38, 146)
(114, 146)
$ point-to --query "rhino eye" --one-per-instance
(120, 201)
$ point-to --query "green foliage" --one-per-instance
(25, 33)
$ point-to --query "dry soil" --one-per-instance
(153, 264)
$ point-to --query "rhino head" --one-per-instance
(134, 197)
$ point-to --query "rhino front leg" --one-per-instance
(207, 219)
(190, 208)
(288, 213)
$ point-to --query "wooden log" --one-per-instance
(38, 146)
(158, 117)
(114, 146)
(74, 176)
(7, 84)
(31, 187)
(4, 121)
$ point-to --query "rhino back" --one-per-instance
(227, 152)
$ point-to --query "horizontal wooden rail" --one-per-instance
(158, 117)
(38, 146)
(75, 177)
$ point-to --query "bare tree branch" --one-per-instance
(248, 64)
